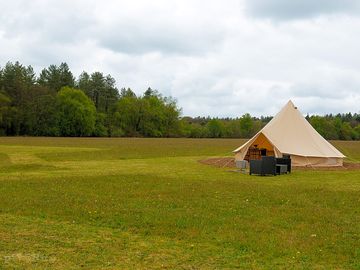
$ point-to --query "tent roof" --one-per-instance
(291, 133)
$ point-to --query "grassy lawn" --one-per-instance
(98, 203)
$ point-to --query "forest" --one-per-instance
(56, 103)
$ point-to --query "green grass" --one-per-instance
(69, 203)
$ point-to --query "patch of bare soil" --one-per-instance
(222, 162)
(346, 166)
(229, 162)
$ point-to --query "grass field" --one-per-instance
(69, 203)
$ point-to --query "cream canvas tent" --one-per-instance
(290, 133)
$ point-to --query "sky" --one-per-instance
(217, 58)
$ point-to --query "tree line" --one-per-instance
(332, 127)
(55, 103)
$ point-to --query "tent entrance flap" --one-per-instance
(261, 146)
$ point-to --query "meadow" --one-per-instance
(132, 203)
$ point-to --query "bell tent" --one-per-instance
(289, 133)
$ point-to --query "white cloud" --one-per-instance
(214, 58)
(294, 9)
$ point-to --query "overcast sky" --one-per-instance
(218, 58)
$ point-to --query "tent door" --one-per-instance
(260, 147)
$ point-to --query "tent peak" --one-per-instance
(290, 103)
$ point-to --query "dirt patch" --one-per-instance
(223, 162)
(229, 162)
(346, 166)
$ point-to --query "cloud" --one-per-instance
(146, 30)
(295, 9)
(214, 58)
(159, 38)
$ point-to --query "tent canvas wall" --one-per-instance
(290, 133)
